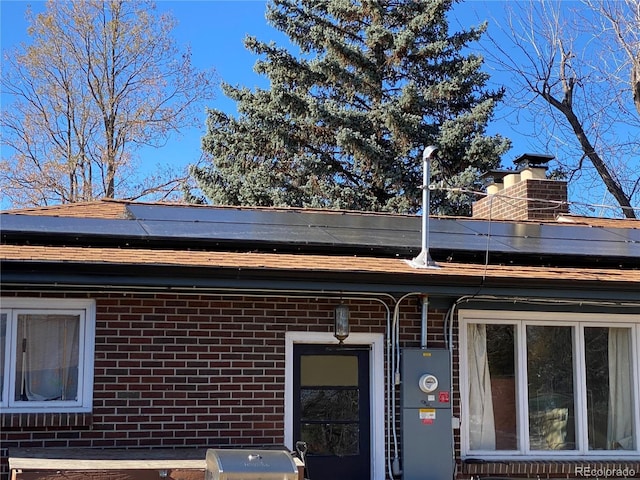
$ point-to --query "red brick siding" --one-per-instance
(197, 370)
(209, 371)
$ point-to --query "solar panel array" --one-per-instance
(340, 230)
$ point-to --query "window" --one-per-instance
(549, 384)
(46, 355)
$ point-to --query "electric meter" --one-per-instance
(428, 383)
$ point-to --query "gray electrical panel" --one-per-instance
(427, 434)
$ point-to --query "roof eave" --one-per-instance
(85, 277)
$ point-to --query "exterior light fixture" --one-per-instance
(341, 323)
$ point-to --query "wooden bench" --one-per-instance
(102, 464)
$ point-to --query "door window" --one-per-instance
(329, 404)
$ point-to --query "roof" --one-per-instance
(127, 239)
(599, 221)
(313, 264)
(105, 209)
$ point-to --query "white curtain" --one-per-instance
(620, 414)
(48, 357)
(482, 430)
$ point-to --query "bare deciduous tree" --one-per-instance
(621, 27)
(575, 68)
(99, 80)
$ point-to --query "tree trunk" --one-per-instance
(612, 185)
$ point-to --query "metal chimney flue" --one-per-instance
(423, 260)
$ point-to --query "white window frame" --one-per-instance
(86, 311)
(520, 320)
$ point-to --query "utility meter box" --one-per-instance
(427, 433)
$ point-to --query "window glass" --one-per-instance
(609, 388)
(334, 370)
(329, 404)
(332, 439)
(550, 384)
(492, 387)
(550, 388)
(47, 358)
(46, 355)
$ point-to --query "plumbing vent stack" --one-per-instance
(423, 260)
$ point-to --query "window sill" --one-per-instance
(16, 421)
(550, 468)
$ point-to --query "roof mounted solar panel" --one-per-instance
(278, 226)
(200, 214)
(627, 235)
(259, 233)
(166, 226)
(44, 225)
(551, 239)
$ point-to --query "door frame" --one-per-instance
(376, 393)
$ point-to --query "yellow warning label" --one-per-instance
(427, 413)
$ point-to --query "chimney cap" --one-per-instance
(535, 160)
(496, 176)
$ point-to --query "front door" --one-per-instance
(331, 410)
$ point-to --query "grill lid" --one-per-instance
(255, 464)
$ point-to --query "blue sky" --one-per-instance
(215, 29)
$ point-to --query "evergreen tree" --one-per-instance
(344, 122)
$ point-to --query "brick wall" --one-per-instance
(199, 371)
(194, 371)
(531, 199)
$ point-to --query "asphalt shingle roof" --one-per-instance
(303, 263)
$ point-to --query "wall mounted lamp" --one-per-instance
(341, 323)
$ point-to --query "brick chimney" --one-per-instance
(524, 193)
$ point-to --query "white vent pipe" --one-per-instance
(423, 260)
